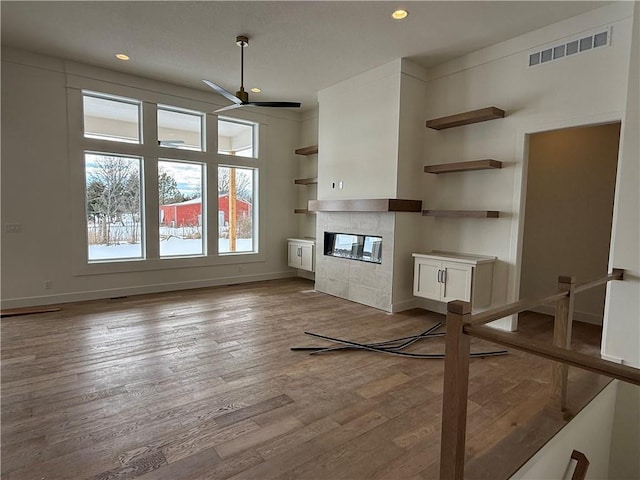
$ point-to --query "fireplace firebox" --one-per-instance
(364, 248)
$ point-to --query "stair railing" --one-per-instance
(462, 325)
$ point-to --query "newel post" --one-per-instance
(454, 397)
(562, 337)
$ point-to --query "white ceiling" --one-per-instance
(295, 48)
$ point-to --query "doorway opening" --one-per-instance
(571, 181)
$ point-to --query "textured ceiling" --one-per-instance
(295, 48)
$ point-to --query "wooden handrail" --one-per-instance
(521, 305)
(616, 274)
(461, 324)
(513, 308)
(581, 468)
(575, 359)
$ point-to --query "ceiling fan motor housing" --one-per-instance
(242, 95)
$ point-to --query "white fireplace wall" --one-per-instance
(362, 282)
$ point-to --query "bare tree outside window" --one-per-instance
(113, 206)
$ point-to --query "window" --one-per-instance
(108, 118)
(114, 210)
(181, 208)
(146, 196)
(179, 129)
(236, 138)
(235, 209)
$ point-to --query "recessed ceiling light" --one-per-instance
(399, 14)
(256, 90)
(122, 56)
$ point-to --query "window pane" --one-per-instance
(117, 120)
(235, 209)
(181, 209)
(236, 138)
(113, 193)
(178, 129)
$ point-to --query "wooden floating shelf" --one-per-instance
(303, 211)
(306, 181)
(462, 213)
(366, 205)
(310, 150)
(466, 118)
(463, 166)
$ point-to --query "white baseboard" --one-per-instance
(584, 317)
(405, 305)
(307, 275)
(140, 290)
(432, 305)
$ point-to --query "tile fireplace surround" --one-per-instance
(367, 283)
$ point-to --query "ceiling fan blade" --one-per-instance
(275, 104)
(170, 143)
(230, 107)
(223, 92)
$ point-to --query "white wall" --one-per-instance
(358, 135)
(590, 432)
(606, 431)
(36, 191)
(586, 88)
(624, 461)
(621, 334)
(569, 208)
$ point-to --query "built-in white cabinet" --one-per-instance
(445, 276)
(301, 253)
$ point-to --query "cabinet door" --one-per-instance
(457, 282)
(294, 259)
(425, 279)
(306, 259)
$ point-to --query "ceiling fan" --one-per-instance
(241, 98)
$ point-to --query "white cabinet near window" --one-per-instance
(446, 276)
(301, 253)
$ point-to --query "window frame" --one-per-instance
(142, 211)
(203, 197)
(203, 126)
(151, 153)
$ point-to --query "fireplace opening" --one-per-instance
(365, 248)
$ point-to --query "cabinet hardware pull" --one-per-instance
(439, 276)
(444, 276)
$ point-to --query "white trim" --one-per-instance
(519, 190)
(307, 275)
(141, 290)
(404, 305)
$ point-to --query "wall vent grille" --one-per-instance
(582, 44)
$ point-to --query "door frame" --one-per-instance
(520, 191)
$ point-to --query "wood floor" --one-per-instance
(202, 385)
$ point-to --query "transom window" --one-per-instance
(108, 118)
(179, 129)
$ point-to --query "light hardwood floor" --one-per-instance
(201, 384)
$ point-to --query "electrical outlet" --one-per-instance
(13, 228)
(47, 284)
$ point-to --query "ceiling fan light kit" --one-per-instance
(241, 97)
